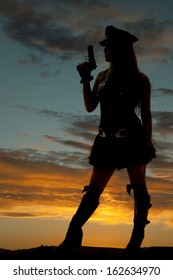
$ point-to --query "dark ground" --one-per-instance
(86, 253)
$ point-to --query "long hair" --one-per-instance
(124, 57)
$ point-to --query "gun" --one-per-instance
(91, 58)
(91, 62)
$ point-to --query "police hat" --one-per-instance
(114, 35)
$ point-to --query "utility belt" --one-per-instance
(121, 133)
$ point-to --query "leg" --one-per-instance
(137, 174)
(141, 204)
(100, 177)
(88, 205)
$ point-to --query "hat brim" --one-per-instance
(104, 42)
(129, 38)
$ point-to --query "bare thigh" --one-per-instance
(100, 177)
(137, 174)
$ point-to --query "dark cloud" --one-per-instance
(165, 91)
(49, 27)
(163, 135)
(14, 8)
(162, 92)
(45, 112)
(32, 26)
(154, 38)
(150, 29)
(32, 158)
(31, 59)
(71, 143)
(79, 124)
(164, 121)
(155, 52)
(158, 200)
(79, 132)
(86, 125)
(32, 178)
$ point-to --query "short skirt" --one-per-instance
(118, 153)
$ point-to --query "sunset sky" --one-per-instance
(46, 134)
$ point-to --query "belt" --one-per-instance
(121, 133)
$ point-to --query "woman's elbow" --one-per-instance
(90, 109)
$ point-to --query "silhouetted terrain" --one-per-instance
(86, 253)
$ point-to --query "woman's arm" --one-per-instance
(90, 95)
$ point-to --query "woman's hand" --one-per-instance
(150, 153)
(84, 71)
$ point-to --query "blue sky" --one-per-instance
(46, 133)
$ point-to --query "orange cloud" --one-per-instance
(31, 188)
(47, 193)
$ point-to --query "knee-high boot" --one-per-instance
(141, 208)
(88, 205)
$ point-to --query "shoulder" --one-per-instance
(144, 80)
(100, 79)
(101, 75)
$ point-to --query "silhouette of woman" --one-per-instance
(124, 140)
